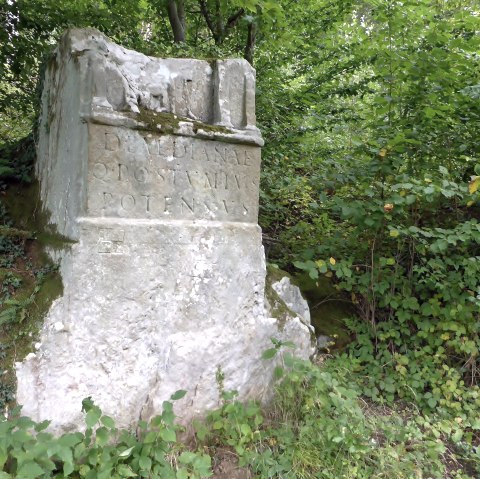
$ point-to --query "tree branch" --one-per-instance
(233, 19)
(206, 14)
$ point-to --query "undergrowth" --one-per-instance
(320, 426)
(317, 426)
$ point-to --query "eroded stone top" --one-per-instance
(125, 82)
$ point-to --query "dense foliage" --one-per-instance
(371, 178)
(399, 211)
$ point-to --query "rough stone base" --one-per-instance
(181, 309)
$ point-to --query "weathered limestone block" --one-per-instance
(292, 297)
(151, 166)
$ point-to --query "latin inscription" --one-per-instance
(135, 174)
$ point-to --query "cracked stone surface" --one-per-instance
(164, 284)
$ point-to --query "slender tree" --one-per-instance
(176, 16)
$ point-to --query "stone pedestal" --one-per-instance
(151, 166)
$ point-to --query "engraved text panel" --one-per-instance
(136, 174)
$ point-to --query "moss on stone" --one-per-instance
(279, 310)
(158, 121)
(35, 298)
(163, 122)
(25, 208)
(41, 283)
(51, 288)
(198, 125)
(328, 308)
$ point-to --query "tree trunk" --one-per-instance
(176, 15)
(216, 25)
(250, 45)
(220, 33)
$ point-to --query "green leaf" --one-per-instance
(313, 273)
(245, 429)
(87, 404)
(178, 395)
(68, 468)
(108, 422)
(127, 452)
(104, 471)
(125, 471)
(457, 436)
(102, 436)
(269, 353)
(156, 421)
(187, 457)
(168, 435)
(70, 439)
(30, 470)
(300, 265)
(41, 426)
(145, 463)
(93, 415)
(182, 473)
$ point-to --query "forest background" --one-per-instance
(370, 112)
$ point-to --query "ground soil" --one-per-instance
(225, 466)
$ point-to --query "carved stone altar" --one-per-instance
(151, 166)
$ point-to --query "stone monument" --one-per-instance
(151, 168)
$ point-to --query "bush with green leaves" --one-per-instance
(414, 279)
(101, 452)
(402, 191)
